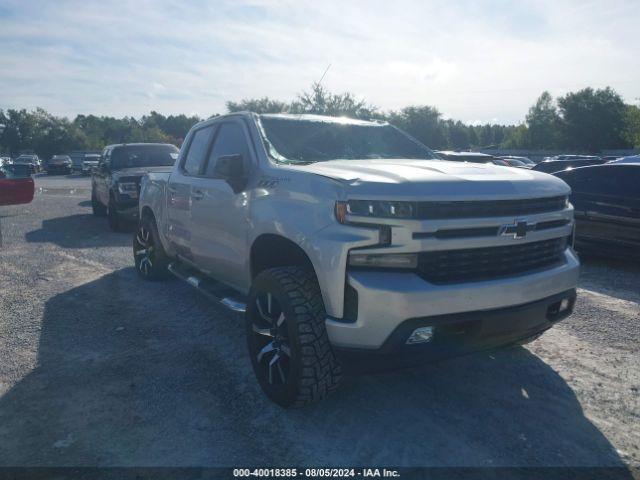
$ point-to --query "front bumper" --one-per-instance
(460, 334)
(388, 299)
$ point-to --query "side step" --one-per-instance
(216, 291)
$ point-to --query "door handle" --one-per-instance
(197, 195)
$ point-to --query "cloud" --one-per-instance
(472, 60)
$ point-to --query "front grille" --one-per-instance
(456, 266)
(492, 208)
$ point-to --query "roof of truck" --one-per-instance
(308, 117)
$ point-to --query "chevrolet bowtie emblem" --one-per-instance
(517, 229)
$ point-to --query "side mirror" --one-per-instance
(231, 168)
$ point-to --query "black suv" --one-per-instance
(115, 184)
(564, 162)
(606, 199)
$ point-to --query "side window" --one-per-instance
(106, 156)
(616, 180)
(197, 151)
(230, 140)
(581, 180)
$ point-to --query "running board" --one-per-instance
(215, 291)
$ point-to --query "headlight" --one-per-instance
(385, 260)
(128, 188)
(374, 209)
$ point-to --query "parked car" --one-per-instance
(115, 183)
(632, 159)
(552, 166)
(574, 157)
(90, 161)
(15, 187)
(501, 162)
(76, 161)
(606, 199)
(473, 157)
(59, 164)
(19, 169)
(27, 159)
(527, 162)
(344, 239)
(78, 158)
(512, 162)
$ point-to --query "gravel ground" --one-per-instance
(100, 368)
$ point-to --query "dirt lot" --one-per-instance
(100, 368)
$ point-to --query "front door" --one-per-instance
(220, 215)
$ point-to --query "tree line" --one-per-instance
(584, 121)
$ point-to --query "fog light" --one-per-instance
(564, 305)
(420, 335)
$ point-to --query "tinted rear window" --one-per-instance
(144, 156)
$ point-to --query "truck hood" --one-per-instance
(437, 179)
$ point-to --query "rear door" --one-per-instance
(219, 214)
(614, 209)
(607, 203)
(181, 181)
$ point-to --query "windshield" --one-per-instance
(308, 141)
(15, 171)
(144, 156)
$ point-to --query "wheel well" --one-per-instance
(147, 212)
(270, 251)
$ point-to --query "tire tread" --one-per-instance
(321, 372)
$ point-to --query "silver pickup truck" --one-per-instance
(345, 240)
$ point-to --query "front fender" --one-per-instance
(306, 217)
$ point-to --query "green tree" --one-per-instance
(258, 105)
(593, 119)
(543, 124)
(632, 126)
(458, 135)
(322, 102)
(422, 122)
(518, 137)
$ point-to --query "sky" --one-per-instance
(476, 61)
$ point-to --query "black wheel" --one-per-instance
(115, 222)
(150, 258)
(99, 210)
(288, 343)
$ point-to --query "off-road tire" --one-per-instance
(115, 222)
(313, 369)
(99, 210)
(147, 233)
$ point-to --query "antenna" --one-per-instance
(318, 83)
(325, 72)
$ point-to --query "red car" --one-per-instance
(14, 188)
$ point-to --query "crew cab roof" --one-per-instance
(308, 117)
